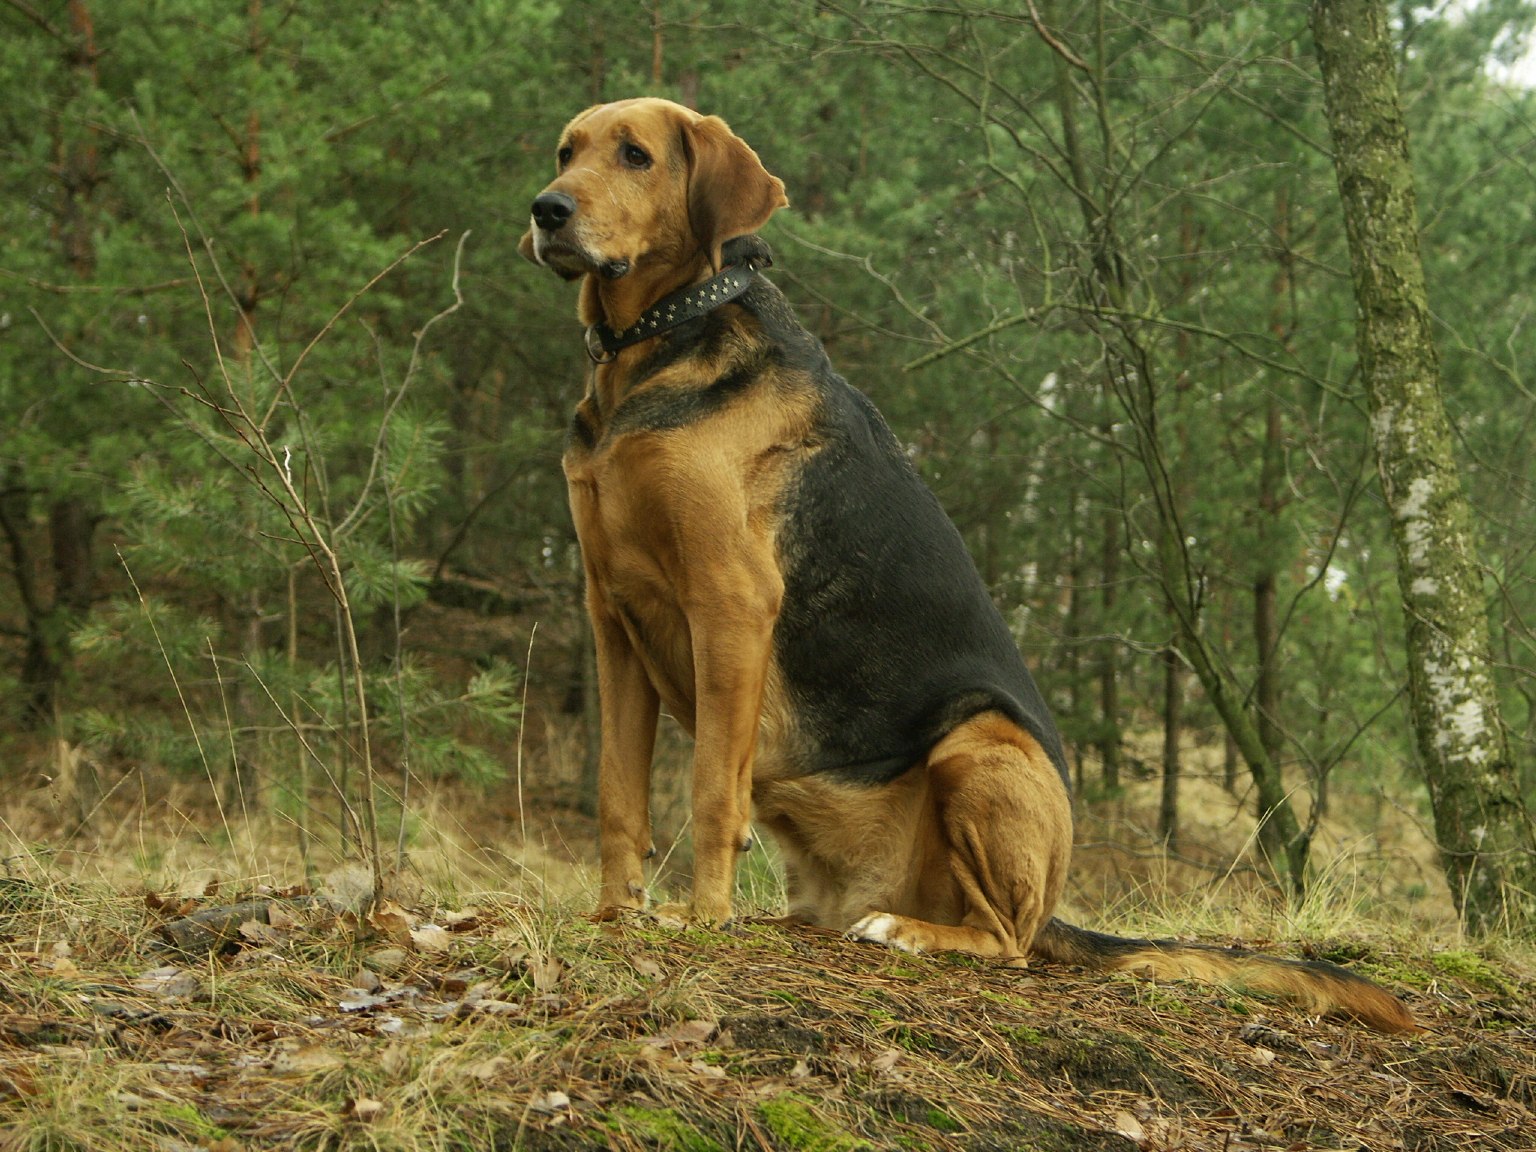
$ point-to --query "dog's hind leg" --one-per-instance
(1005, 826)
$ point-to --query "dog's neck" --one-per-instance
(618, 304)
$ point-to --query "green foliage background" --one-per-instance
(311, 143)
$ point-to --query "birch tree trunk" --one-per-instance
(1483, 827)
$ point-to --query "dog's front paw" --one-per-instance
(883, 928)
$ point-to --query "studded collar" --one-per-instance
(604, 343)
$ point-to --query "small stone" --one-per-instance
(366, 980)
(386, 960)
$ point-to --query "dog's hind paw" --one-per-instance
(883, 928)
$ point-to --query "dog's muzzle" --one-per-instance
(552, 209)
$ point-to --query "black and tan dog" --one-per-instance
(763, 561)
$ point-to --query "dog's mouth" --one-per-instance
(569, 260)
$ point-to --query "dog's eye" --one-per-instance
(635, 157)
(564, 156)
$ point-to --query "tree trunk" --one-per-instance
(1109, 669)
(1266, 641)
(50, 619)
(1173, 726)
(1484, 830)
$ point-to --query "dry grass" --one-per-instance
(533, 1027)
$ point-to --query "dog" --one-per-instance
(763, 560)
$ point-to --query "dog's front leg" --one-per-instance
(629, 709)
(732, 644)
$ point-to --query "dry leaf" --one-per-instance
(430, 938)
(64, 966)
(256, 932)
(886, 1060)
(351, 886)
(461, 921)
(390, 921)
(304, 1061)
(648, 968)
(16, 1081)
(386, 960)
(709, 1070)
(1263, 1056)
(550, 1102)
(358, 999)
(61, 950)
(1127, 1125)
(545, 973)
(278, 917)
(688, 1033)
(395, 1061)
(672, 916)
(490, 1069)
(362, 1109)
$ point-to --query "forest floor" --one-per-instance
(504, 1024)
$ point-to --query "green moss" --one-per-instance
(793, 1123)
(911, 1040)
(663, 1127)
(1024, 1035)
(1389, 971)
(1154, 997)
(1003, 998)
(943, 1121)
(1472, 968)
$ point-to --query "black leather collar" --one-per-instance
(604, 343)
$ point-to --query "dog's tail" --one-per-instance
(1313, 985)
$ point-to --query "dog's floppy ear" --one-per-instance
(730, 193)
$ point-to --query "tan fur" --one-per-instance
(967, 851)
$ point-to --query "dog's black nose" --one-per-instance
(552, 209)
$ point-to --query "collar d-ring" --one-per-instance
(595, 350)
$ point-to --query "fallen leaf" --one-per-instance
(15, 1082)
(497, 1007)
(1263, 1056)
(711, 1071)
(182, 986)
(648, 968)
(64, 966)
(258, 933)
(490, 1069)
(367, 980)
(886, 1060)
(461, 921)
(430, 938)
(395, 1061)
(391, 921)
(1127, 1125)
(351, 886)
(550, 1102)
(358, 999)
(671, 916)
(545, 973)
(362, 1109)
(278, 917)
(306, 1060)
(688, 1033)
(386, 960)
(61, 950)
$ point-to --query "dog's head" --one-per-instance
(647, 184)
